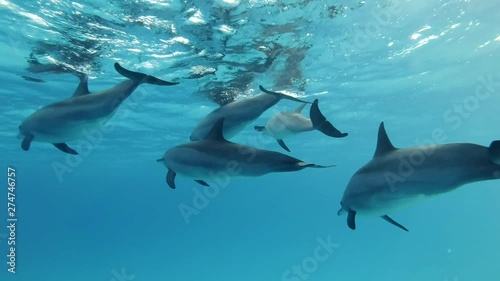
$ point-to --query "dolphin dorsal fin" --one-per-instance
(299, 109)
(384, 144)
(216, 133)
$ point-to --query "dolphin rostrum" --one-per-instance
(286, 124)
(396, 177)
(214, 157)
(238, 114)
(71, 118)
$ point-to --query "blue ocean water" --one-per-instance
(109, 215)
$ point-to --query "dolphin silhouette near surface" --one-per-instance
(396, 177)
(214, 157)
(70, 119)
(286, 124)
(238, 114)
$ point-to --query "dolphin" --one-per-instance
(214, 157)
(286, 124)
(397, 177)
(83, 112)
(238, 114)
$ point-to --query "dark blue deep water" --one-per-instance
(108, 213)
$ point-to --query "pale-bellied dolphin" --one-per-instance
(397, 177)
(286, 124)
(83, 112)
(215, 157)
(238, 114)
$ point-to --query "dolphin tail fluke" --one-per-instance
(393, 222)
(494, 152)
(141, 77)
(321, 124)
(281, 96)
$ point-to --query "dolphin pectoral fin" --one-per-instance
(83, 86)
(494, 152)
(283, 145)
(321, 124)
(309, 165)
(328, 129)
(299, 109)
(141, 77)
(281, 96)
(259, 128)
(393, 222)
(171, 178)
(25, 145)
(351, 220)
(202, 182)
(31, 79)
(65, 148)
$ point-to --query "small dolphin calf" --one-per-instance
(238, 114)
(396, 177)
(214, 157)
(286, 124)
(83, 112)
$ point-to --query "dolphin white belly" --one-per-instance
(369, 194)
